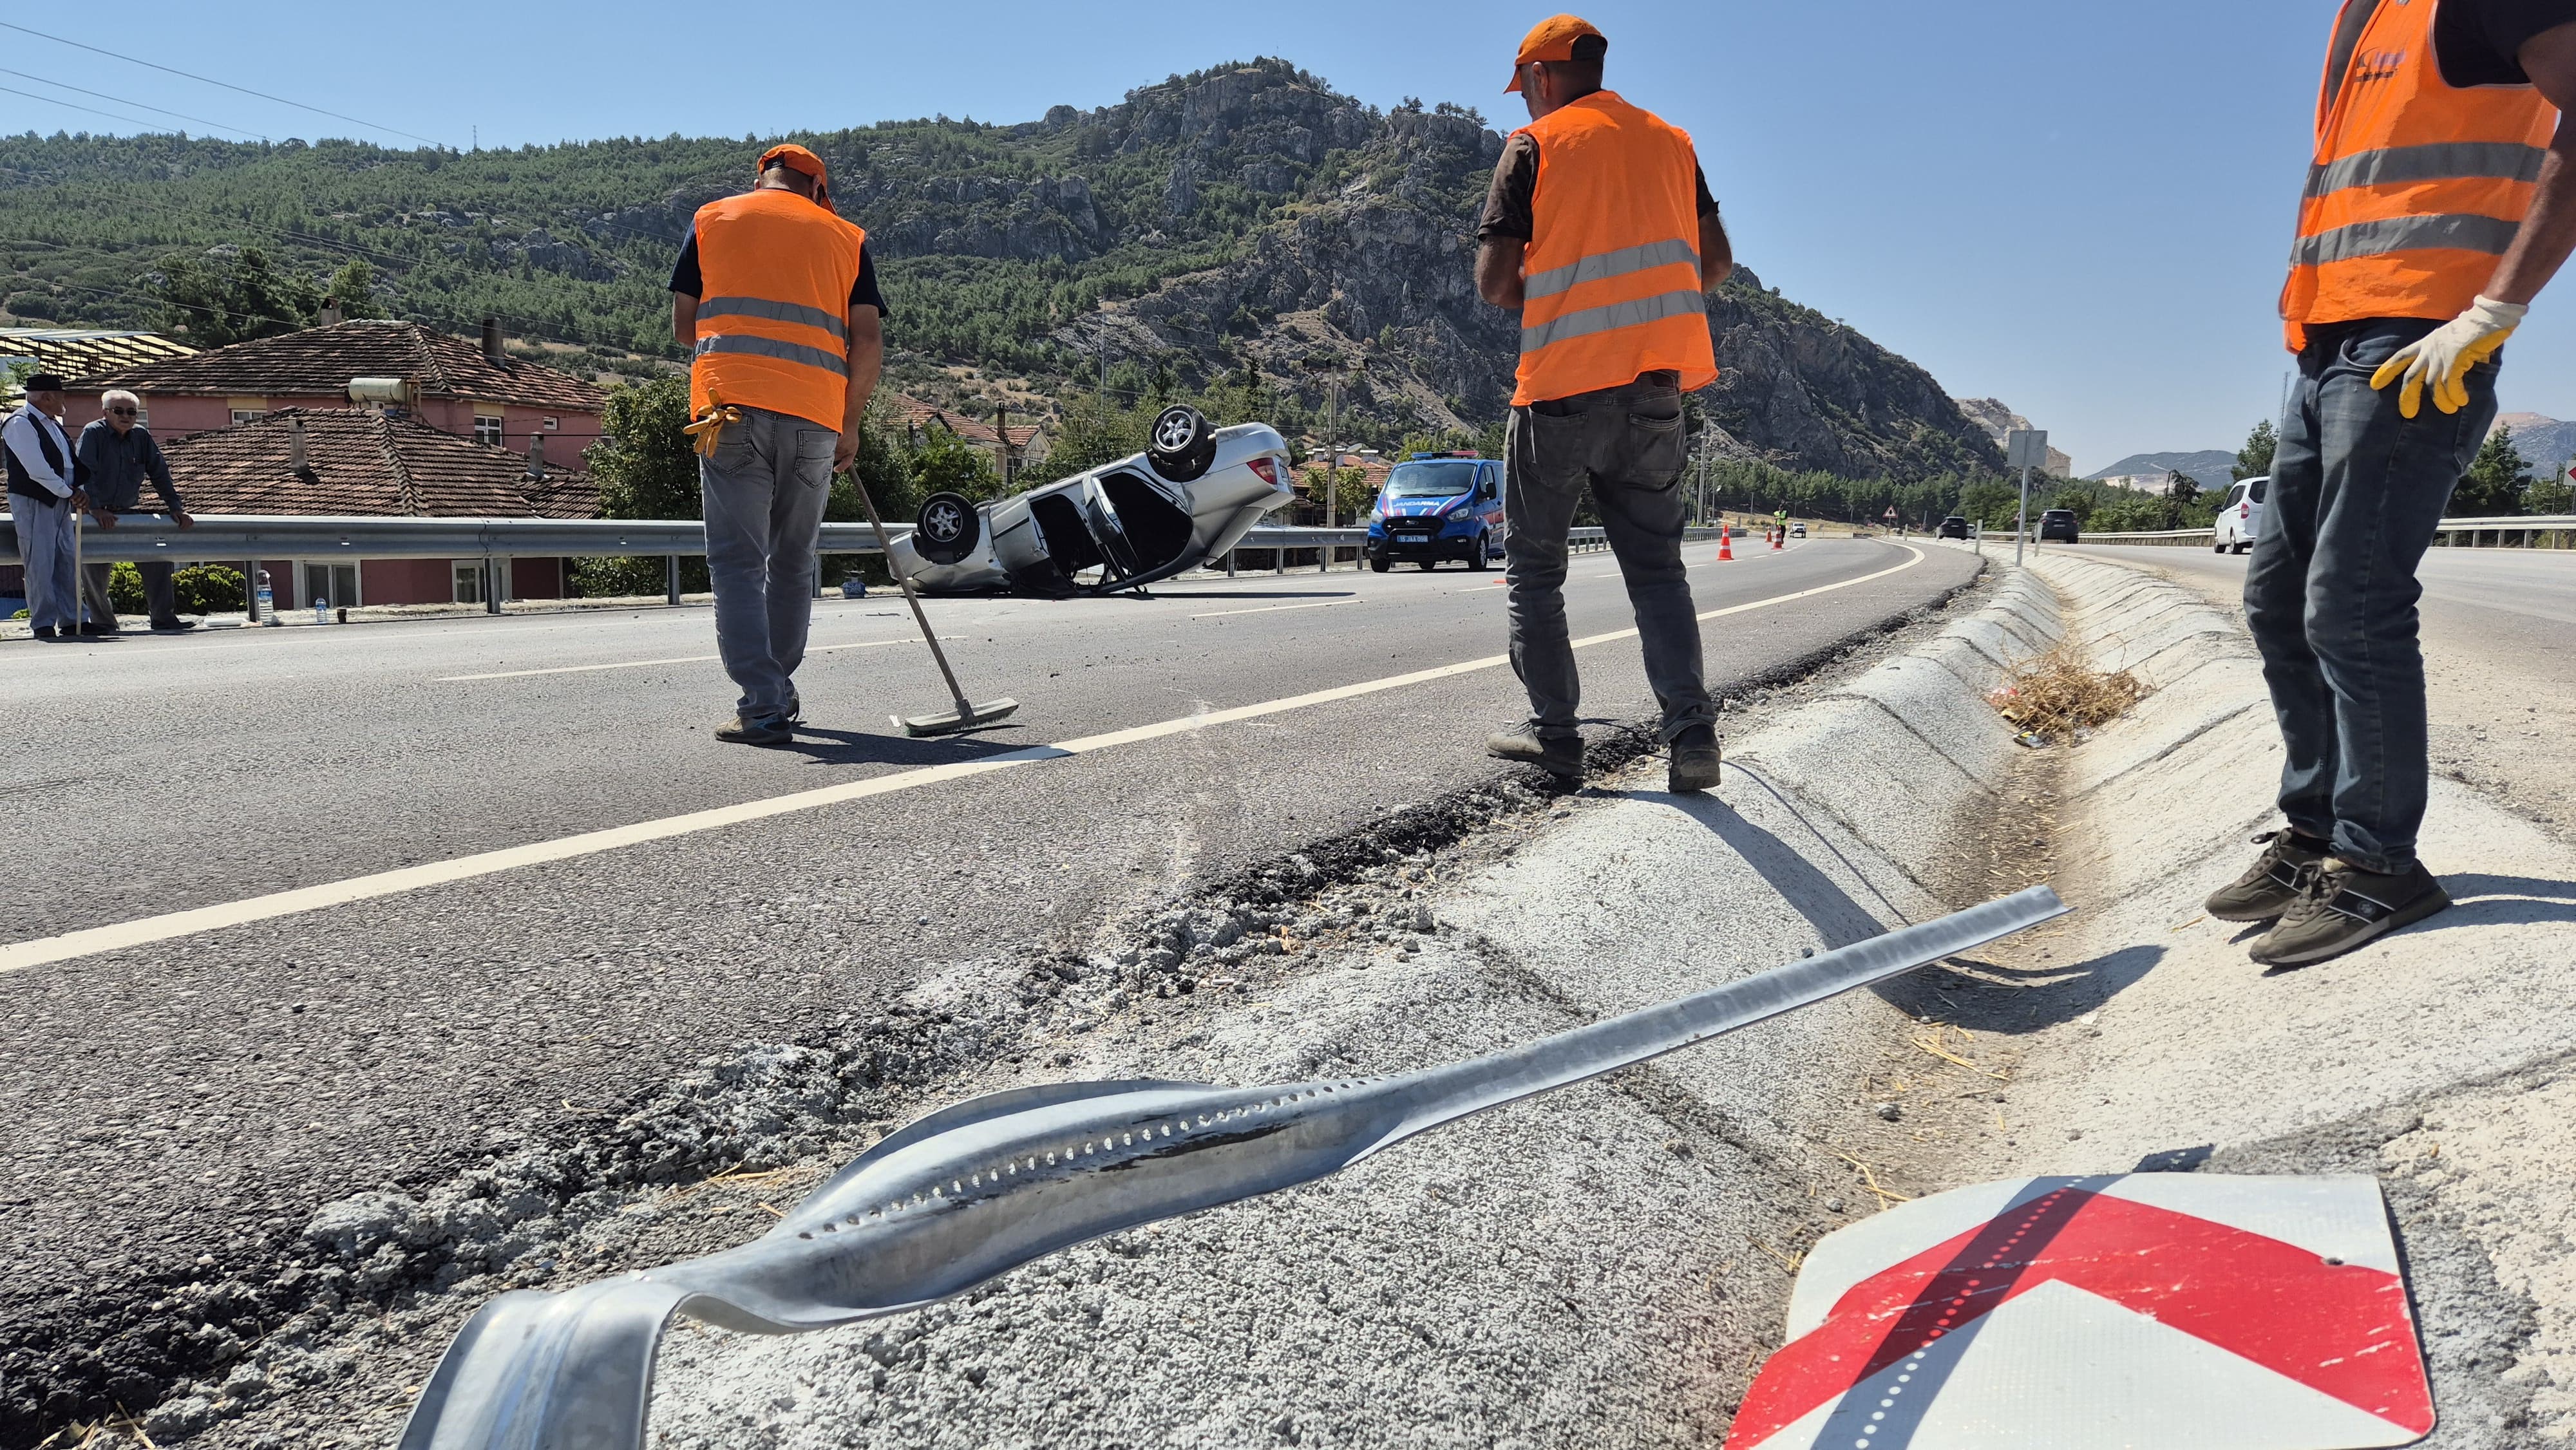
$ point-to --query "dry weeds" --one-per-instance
(2059, 692)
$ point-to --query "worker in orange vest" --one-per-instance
(1600, 229)
(776, 298)
(2439, 202)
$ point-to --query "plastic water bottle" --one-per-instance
(321, 610)
(263, 603)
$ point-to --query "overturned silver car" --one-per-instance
(1124, 525)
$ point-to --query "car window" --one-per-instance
(2258, 488)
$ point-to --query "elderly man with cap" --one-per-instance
(1600, 229)
(45, 497)
(119, 455)
(776, 298)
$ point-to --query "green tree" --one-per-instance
(221, 302)
(647, 468)
(2551, 495)
(2497, 481)
(2254, 460)
(946, 463)
(353, 287)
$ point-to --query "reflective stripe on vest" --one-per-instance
(1610, 278)
(2416, 186)
(773, 330)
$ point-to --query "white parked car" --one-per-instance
(2240, 518)
(1123, 525)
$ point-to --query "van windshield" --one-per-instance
(1438, 478)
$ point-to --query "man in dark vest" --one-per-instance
(44, 495)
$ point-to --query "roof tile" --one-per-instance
(323, 359)
(358, 462)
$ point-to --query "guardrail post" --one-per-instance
(493, 575)
(1324, 558)
(1229, 563)
(671, 582)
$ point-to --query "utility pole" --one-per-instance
(1332, 445)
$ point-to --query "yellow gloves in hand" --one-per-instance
(2446, 354)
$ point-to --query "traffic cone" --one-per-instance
(1725, 544)
(1779, 539)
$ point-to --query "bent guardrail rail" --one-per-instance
(989, 1184)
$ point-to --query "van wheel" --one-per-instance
(1483, 557)
(2217, 546)
(1430, 564)
(1379, 563)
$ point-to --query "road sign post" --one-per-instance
(2025, 449)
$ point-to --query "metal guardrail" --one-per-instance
(2530, 526)
(227, 537)
(1328, 544)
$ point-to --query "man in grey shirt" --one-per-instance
(120, 455)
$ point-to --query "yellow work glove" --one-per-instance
(2446, 354)
(709, 426)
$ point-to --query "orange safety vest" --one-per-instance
(2417, 186)
(1610, 282)
(773, 325)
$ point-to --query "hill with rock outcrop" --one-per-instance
(1244, 222)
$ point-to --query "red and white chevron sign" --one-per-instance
(2125, 1312)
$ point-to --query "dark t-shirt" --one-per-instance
(1507, 202)
(2477, 40)
(687, 281)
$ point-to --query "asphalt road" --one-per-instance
(2499, 626)
(200, 1095)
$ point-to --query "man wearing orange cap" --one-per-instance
(776, 298)
(1601, 230)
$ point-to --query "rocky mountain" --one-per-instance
(1246, 222)
(2210, 467)
(2544, 442)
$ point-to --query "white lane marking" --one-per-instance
(1748, 557)
(640, 664)
(40, 951)
(1274, 608)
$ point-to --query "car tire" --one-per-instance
(2218, 546)
(947, 528)
(2242, 546)
(1483, 558)
(1379, 563)
(1182, 445)
(1427, 565)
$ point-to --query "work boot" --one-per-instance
(1559, 755)
(1694, 760)
(2269, 885)
(743, 730)
(44, 631)
(173, 626)
(2342, 906)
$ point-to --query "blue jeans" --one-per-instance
(1624, 445)
(764, 492)
(2330, 591)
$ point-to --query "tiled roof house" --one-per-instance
(455, 385)
(351, 462)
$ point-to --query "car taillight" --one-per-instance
(1268, 470)
(2245, 510)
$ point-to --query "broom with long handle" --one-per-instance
(968, 714)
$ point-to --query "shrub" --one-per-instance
(202, 589)
(125, 589)
(624, 578)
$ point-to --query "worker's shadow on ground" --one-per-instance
(850, 747)
(2481, 900)
(1971, 993)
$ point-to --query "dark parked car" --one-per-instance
(1953, 527)
(2057, 526)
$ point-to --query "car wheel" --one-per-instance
(947, 528)
(1427, 565)
(2242, 546)
(1484, 552)
(2218, 546)
(1182, 444)
(1379, 563)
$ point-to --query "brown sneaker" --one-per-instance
(1694, 763)
(1559, 755)
(740, 730)
(2269, 885)
(2343, 907)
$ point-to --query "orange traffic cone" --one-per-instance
(1725, 544)
(1779, 538)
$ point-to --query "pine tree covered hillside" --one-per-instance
(1244, 224)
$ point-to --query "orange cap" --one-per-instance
(793, 157)
(1552, 39)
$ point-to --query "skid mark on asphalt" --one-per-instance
(640, 664)
(41, 951)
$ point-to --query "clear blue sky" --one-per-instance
(2079, 208)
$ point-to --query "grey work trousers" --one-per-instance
(159, 599)
(1625, 445)
(763, 492)
(45, 548)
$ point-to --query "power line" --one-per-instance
(211, 81)
(69, 106)
(122, 101)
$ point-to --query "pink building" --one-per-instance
(411, 372)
